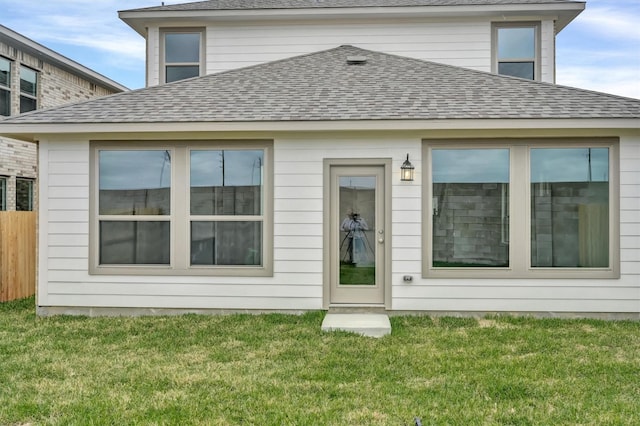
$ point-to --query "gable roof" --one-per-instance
(323, 4)
(24, 44)
(323, 86)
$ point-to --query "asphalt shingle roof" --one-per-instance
(323, 86)
(311, 4)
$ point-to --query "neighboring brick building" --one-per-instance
(34, 77)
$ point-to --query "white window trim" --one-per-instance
(537, 66)
(520, 210)
(179, 216)
(163, 64)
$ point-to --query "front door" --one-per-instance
(357, 235)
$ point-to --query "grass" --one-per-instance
(357, 275)
(282, 370)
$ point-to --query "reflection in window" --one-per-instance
(225, 184)
(357, 208)
(135, 182)
(226, 243)
(134, 243)
(516, 51)
(570, 207)
(24, 195)
(3, 193)
(132, 185)
(470, 207)
(181, 55)
(28, 89)
(5, 86)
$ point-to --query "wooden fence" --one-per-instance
(17, 255)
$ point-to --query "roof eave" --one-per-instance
(34, 132)
(562, 13)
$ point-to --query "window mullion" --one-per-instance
(180, 231)
(520, 207)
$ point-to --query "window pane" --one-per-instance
(176, 73)
(5, 72)
(5, 102)
(570, 207)
(3, 193)
(24, 194)
(182, 48)
(516, 43)
(470, 207)
(135, 182)
(28, 81)
(27, 104)
(134, 243)
(517, 69)
(226, 182)
(226, 243)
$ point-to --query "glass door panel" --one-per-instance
(357, 208)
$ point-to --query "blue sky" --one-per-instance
(600, 50)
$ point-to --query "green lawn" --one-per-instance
(281, 369)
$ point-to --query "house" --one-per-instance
(321, 167)
(34, 77)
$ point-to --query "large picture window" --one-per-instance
(470, 194)
(182, 208)
(226, 207)
(134, 206)
(570, 207)
(521, 209)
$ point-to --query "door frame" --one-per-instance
(385, 163)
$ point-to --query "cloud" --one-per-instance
(620, 22)
(618, 80)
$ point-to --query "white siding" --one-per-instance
(153, 56)
(548, 51)
(461, 43)
(298, 243)
(536, 295)
(465, 44)
(241, 44)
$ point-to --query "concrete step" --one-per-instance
(370, 325)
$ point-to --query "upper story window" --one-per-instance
(5, 87)
(28, 89)
(516, 50)
(182, 54)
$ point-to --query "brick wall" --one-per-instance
(17, 160)
(56, 87)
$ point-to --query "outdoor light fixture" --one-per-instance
(406, 170)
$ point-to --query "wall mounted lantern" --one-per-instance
(406, 170)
